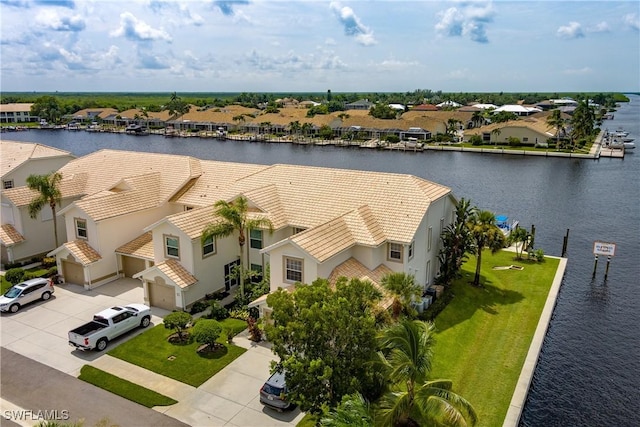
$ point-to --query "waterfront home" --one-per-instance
(532, 130)
(16, 113)
(23, 237)
(142, 215)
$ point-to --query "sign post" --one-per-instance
(603, 248)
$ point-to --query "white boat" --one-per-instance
(628, 145)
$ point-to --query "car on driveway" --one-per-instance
(23, 293)
(274, 392)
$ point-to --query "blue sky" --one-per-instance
(313, 46)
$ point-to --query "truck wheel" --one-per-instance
(46, 296)
(101, 344)
(14, 308)
(145, 321)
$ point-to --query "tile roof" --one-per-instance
(9, 235)
(536, 122)
(14, 154)
(353, 268)
(82, 251)
(70, 186)
(140, 247)
(176, 273)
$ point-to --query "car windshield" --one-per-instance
(269, 389)
(13, 292)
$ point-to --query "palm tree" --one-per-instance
(456, 242)
(412, 400)
(519, 237)
(476, 118)
(48, 188)
(294, 127)
(556, 121)
(232, 217)
(353, 411)
(484, 233)
(404, 290)
(496, 133)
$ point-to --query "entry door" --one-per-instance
(228, 280)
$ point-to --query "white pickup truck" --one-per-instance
(108, 325)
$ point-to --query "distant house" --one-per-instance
(529, 131)
(519, 110)
(362, 104)
(22, 237)
(424, 107)
(448, 104)
(16, 113)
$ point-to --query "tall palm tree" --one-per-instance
(233, 217)
(353, 411)
(556, 121)
(294, 127)
(48, 188)
(407, 349)
(476, 118)
(456, 242)
(485, 234)
(496, 133)
(404, 289)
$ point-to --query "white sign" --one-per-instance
(603, 248)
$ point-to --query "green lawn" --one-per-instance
(484, 333)
(152, 351)
(124, 388)
(6, 285)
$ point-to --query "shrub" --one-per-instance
(476, 140)
(434, 309)
(513, 141)
(48, 262)
(392, 139)
(14, 276)
(539, 254)
(207, 331)
(218, 312)
(28, 275)
(178, 321)
(52, 271)
(239, 313)
(198, 307)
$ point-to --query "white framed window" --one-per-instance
(172, 247)
(293, 269)
(255, 239)
(411, 249)
(395, 252)
(7, 184)
(81, 228)
(209, 247)
(429, 238)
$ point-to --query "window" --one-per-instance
(293, 269)
(209, 247)
(172, 246)
(441, 225)
(255, 239)
(7, 184)
(411, 249)
(257, 269)
(81, 228)
(525, 139)
(395, 252)
(429, 238)
(297, 230)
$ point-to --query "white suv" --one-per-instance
(26, 292)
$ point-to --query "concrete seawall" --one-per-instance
(512, 419)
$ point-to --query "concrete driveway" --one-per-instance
(39, 331)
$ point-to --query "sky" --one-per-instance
(315, 46)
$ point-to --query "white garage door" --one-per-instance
(162, 296)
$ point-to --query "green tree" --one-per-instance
(484, 234)
(178, 321)
(231, 218)
(456, 242)
(582, 121)
(452, 126)
(324, 338)
(519, 236)
(325, 132)
(207, 331)
(496, 133)
(556, 122)
(176, 106)
(412, 399)
(47, 108)
(48, 189)
(294, 127)
(382, 111)
(404, 290)
(353, 411)
(477, 118)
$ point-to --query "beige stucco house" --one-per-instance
(142, 215)
(21, 236)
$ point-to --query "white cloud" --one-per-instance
(632, 21)
(468, 19)
(571, 31)
(134, 29)
(52, 20)
(352, 25)
(602, 27)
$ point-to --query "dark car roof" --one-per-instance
(277, 380)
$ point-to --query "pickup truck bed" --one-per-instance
(89, 328)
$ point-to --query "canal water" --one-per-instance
(589, 371)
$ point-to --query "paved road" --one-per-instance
(34, 386)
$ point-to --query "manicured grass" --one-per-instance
(484, 333)
(152, 351)
(6, 285)
(124, 388)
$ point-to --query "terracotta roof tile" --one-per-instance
(176, 273)
(14, 153)
(9, 235)
(140, 247)
(70, 186)
(82, 252)
(353, 268)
